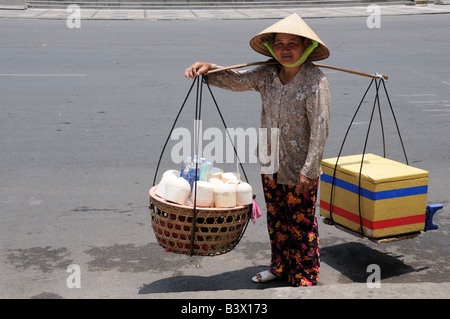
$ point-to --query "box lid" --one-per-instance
(376, 169)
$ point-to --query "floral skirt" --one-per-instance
(293, 232)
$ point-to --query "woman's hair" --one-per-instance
(302, 39)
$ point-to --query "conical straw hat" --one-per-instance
(292, 24)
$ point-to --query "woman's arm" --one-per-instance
(237, 81)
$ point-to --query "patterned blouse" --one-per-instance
(300, 110)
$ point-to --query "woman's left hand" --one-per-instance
(304, 184)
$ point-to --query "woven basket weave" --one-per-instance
(218, 230)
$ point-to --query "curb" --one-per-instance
(219, 14)
(209, 5)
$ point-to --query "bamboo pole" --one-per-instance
(373, 76)
(243, 65)
(238, 66)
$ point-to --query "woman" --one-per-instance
(295, 100)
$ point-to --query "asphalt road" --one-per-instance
(85, 113)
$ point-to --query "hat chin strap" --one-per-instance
(302, 59)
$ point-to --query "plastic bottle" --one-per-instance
(205, 171)
(185, 168)
(196, 165)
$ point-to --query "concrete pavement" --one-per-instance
(222, 14)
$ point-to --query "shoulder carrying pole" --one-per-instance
(238, 66)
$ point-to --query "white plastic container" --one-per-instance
(205, 194)
(244, 194)
(225, 177)
(161, 187)
(225, 195)
(216, 173)
(215, 181)
(172, 172)
(177, 190)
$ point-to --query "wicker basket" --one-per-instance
(217, 231)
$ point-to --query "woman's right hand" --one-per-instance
(196, 69)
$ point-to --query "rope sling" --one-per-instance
(199, 82)
(378, 80)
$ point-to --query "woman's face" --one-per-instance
(288, 48)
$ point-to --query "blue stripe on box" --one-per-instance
(393, 193)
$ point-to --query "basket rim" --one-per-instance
(162, 200)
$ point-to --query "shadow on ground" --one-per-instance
(350, 259)
(232, 280)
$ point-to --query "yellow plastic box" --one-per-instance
(393, 195)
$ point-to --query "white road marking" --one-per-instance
(42, 74)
